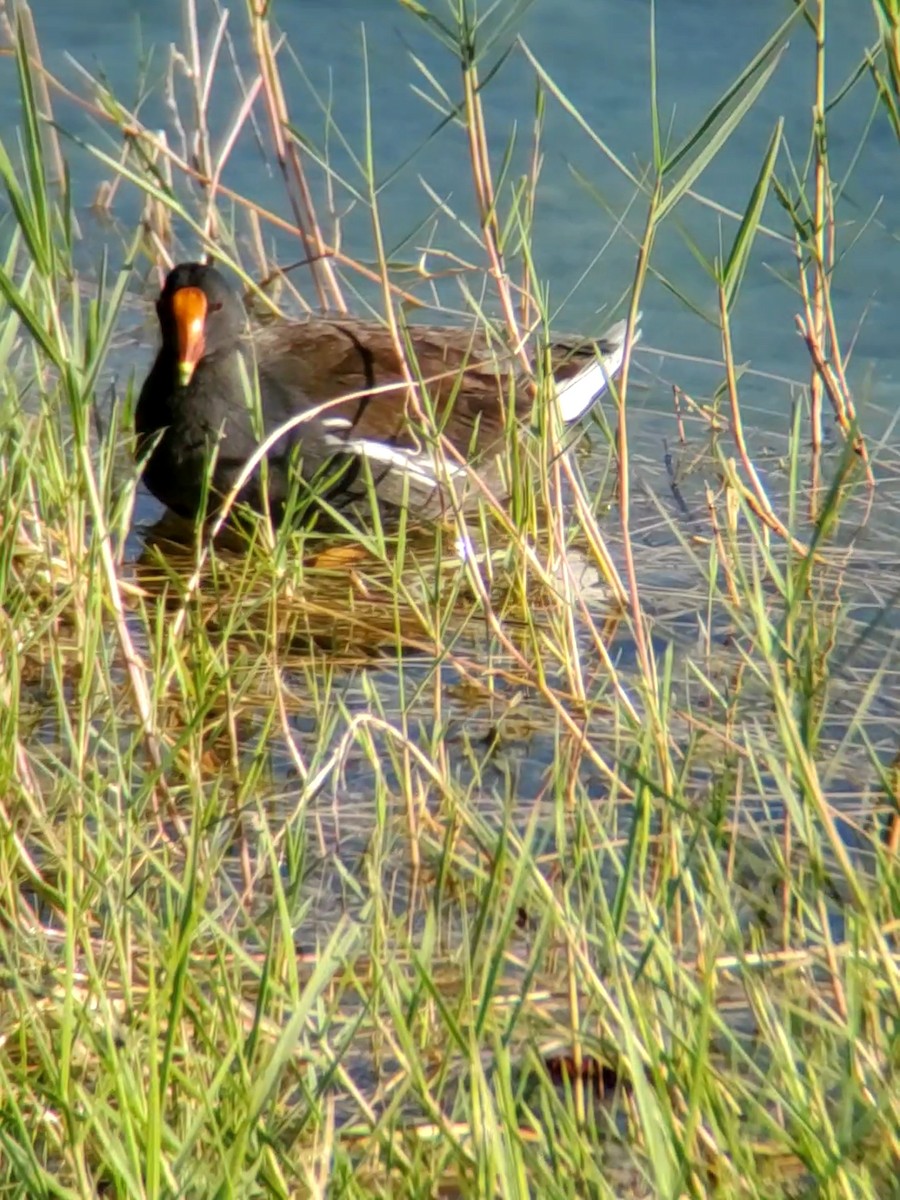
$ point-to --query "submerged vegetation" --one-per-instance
(332, 863)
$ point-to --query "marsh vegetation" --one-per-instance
(333, 863)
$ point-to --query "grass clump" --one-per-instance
(336, 865)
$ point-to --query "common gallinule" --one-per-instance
(342, 377)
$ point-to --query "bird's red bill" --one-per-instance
(189, 311)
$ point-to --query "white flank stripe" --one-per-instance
(335, 423)
(576, 395)
(420, 467)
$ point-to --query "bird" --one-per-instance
(329, 397)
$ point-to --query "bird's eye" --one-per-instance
(214, 307)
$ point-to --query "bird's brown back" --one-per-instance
(468, 382)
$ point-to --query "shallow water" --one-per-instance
(598, 52)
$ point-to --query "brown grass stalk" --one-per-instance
(755, 495)
(821, 182)
(289, 161)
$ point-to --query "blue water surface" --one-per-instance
(598, 54)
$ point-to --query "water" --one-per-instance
(598, 52)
